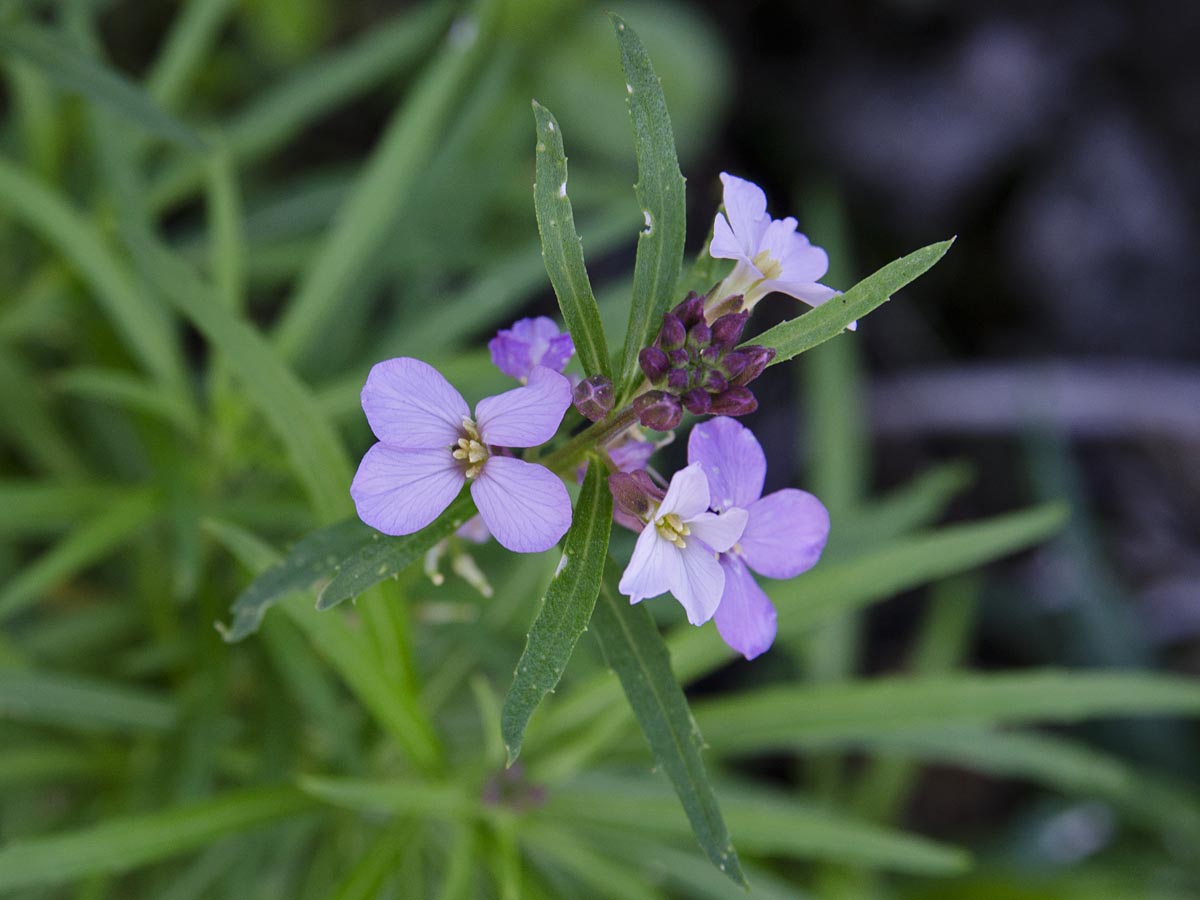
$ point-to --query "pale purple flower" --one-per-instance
(677, 549)
(771, 254)
(784, 535)
(429, 446)
(529, 343)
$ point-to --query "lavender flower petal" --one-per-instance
(530, 342)
(746, 617)
(700, 581)
(399, 491)
(654, 568)
(785, 534)
(525, 416)
(411, 406)
(687, 494)
(525, 506)
(732, 459)
(719, 532)
(738, 232)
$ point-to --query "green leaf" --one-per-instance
(311, 559)
(832, 317)
(30, 508)
(93, 540)
(384, 557)
(364, 222)
(566, 609)
(787, 716)
(660, 191)
(397, 798)
(83, 704)
(562, 248)
(635, 651)
(74, 71)
(121, 844)
(124, 388)
(765, 824)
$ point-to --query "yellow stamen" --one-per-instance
(671, 528)
(770, 267)
(470, 449)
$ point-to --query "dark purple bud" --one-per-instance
(712, 354)
(734, 363)
(714, 382)
(737, 401)
(678, 380)
(594, 397)
(679, 358)
(697, 401)
(634, 493)
(756, 360)
(690, 311)
(672, 334)
(658, 410)
(699, 335)
(655, 364)
(727, 330)
(715, 309)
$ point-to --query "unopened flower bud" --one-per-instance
(715, 382)
(690, 311)
(679, 358)
(678, 380)
(734, 363)
(673, 333)
(727, 330)
(655, 364)
(658, 410)
(697, 401)
(634, 493)
(737, 401)
(716, 308)
(594, 397)
(757, 359)
(699, 335)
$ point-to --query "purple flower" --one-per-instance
(429, 446)
(529, 343)
(784, 535)
(677, 549)
(771, 255)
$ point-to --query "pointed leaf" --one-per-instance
(566, 609)
(660, 191)
(830, 319)
(635, 651)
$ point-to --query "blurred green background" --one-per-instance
(216, 215)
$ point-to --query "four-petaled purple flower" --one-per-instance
(784, 535)
(677, 549)
(771, 254)
(529, 343)
(429, 446)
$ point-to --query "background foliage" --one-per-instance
(215, 216)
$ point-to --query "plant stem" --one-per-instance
(570, 454)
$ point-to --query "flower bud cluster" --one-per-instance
(696, 366)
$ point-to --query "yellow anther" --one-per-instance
(770, 267)
(671, 528)
(470, 449)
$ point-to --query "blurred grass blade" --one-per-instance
(81, 704)
(30, 508)
(193, 32)
(634, 650)
(365, 879)
(315, 449)
(124, 388)
(74, 71)
(562, 249)
(398, 798)
(385, 557)
(917, 504)
(566, 608)
(765, 825)
(93, 540)
(52, 763)
(660, 191)
(831, 318)
(311, 559)
(787, 716)
(609, 876)
(121, 844)
(141, 323)
(364, 222)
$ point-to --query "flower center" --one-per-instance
(671, 528)
(470, 450)
(770, 267)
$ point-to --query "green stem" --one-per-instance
(563, 460)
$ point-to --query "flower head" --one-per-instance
(530, 342)
(677, 549)
(429, 446)
(784, 535)
(771, 254)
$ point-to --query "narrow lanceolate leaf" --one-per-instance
(82, 704)
(566, 609)
(793, 715)
(119, 845)
(562, 249)
(310, 560)
(383, 556)
(636, 652)
(830, 319)
(661, 195)
(75, 71)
